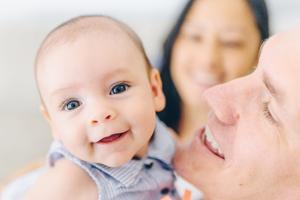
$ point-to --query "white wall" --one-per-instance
(24, 136)
(23, 24)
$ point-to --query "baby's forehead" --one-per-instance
(104, 36)
(84, 27)
(74, 29)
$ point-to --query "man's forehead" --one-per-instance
(281, 52)
(287, 42)
(280, 62)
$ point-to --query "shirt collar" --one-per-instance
(126, 174)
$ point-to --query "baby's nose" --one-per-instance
(103, 117)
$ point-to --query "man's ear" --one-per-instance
(46, 115)
(157, 92)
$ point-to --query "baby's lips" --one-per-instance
(110, 138)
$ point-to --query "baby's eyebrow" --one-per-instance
(61, 90)
(59, 93)
(117, 71)
(76, 86)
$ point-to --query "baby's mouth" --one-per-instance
(112, 138)
(210, 142)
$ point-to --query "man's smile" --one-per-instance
(210, 142)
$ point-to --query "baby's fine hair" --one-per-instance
(70, 30)
(74, 28)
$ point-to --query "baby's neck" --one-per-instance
(142, 152)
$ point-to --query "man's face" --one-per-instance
(99, 98)
(255, 143)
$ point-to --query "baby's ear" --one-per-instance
(46, 115)
(157, 92)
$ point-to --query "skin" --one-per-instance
(255, 121)
(92, 87)
(219, 41)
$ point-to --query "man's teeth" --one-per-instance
(210, 138)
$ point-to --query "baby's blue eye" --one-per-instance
(119, 88)
(71, 105)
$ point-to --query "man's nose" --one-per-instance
(223, 101)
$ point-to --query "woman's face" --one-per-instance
(218, 41)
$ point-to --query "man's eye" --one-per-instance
(71, 105)
(267, 113)
(122, 87)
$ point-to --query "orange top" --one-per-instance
(187, 195)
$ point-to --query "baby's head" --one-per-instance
(99, 92)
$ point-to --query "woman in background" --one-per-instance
(212, 42)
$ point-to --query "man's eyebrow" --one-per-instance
(270, 86)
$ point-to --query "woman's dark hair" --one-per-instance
(172, 112)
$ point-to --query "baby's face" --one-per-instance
(100, 99)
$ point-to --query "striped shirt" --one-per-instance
(150, 177)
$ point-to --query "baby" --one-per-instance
(100, 96)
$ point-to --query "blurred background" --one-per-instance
(24, 135)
